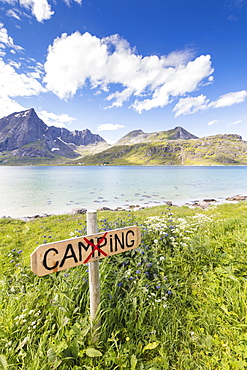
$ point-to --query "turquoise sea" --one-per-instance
(30, 190)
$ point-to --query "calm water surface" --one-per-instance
(35, 190)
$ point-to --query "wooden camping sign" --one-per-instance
(54, 257)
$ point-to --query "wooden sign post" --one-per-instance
(58, 256)
(94, 279)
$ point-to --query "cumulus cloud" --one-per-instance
(41, 9)
(73, 60)
(109, 127)
(52, 119)
(183, 79)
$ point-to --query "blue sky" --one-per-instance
(114, 66)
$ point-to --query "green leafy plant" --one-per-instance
(178, 302)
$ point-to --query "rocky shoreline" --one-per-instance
(203, 204)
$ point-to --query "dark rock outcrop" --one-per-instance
(181, 133)
(19, 129)
(24, 134)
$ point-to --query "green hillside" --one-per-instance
(159, 150)
(170, 148)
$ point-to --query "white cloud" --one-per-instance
(182, 79)
(6, 40)
(241, 119)
(14, 64)
(52, 119)
(40, 9)
(110, 60)
(68, 2)
(10, 2)
(14, 84)
(109, 127)
(235, 122)
(190, 105)
(229, 99)
(36, 70)
(14, 13)
(9, 106)
(75, 57)
(213, 122)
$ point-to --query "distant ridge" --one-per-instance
(175, 147)
(24, 134)
(26, 139)
(138, 136)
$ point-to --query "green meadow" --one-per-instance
(178, 302)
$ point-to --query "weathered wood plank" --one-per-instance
(61, 255)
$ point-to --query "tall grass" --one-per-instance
(178, 302)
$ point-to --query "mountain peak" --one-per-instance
(133, 137)
(25, 129)
(181, 133)
(24, 113)
(138, 136)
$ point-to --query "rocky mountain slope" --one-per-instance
(24, 134)
(172, 147)
(26, 139)
(138, 136)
